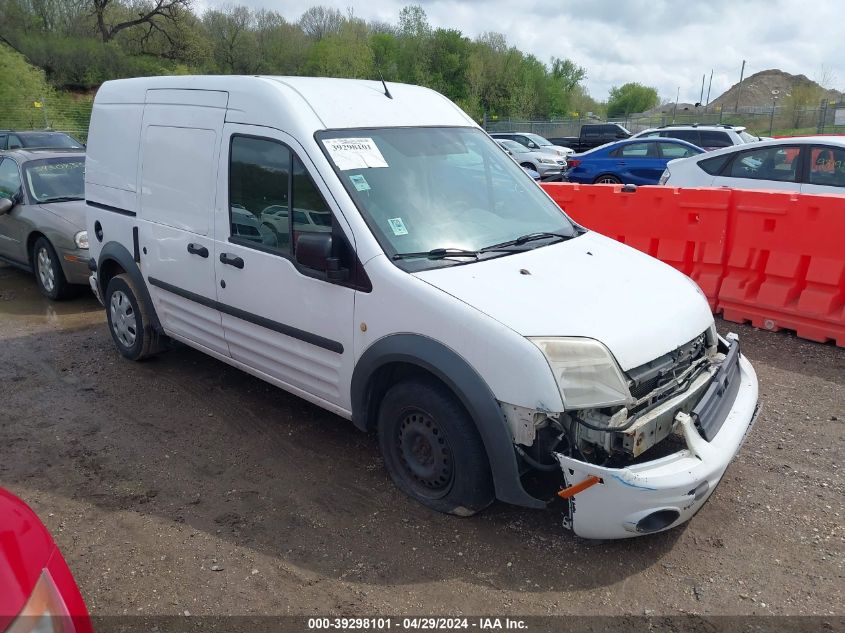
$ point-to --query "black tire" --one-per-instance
(129, 322)
(48, 271)
(529, 166)
(608, 179)
(432, 450)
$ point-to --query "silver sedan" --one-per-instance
(543, 163)
(42, 218)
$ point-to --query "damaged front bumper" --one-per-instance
(660, 494)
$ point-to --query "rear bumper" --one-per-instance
(95, 288)
(658, 495)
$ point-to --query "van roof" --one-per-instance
(316, 102)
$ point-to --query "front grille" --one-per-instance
(652, 375)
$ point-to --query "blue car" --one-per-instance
(638, 161)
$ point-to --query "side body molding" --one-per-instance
(473, 392)
(116, 252)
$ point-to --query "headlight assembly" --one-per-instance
(586, 373)
(81, 239)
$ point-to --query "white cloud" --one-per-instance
(663, 43)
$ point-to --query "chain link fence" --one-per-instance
(828, 118)
(63, 114)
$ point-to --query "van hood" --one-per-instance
(589, 286)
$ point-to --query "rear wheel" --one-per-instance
(129, 322)
(432, 450)
(607, 179)
(48, 271)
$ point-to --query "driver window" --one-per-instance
(10, 178)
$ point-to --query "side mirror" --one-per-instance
(5, 205)
(314, 250)
(531, 144)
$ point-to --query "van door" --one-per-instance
(283, 320)
(180, 145)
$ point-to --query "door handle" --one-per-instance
(231, 260)
(198, 249)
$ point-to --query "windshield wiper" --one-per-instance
(61, 199)
(530, 237)
(438, 253)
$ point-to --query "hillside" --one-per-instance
(757, 90)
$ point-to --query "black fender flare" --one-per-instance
(470, 388)
(118, 253)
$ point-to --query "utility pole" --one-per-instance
(710, 85)
(701, 98)
(676, 104)
(739, 92)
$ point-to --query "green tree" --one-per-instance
(632, 97)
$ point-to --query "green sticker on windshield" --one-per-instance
(360, 182)
(398, 226)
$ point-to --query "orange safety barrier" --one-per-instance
(786, 265)
(772, 258)
(682, 227)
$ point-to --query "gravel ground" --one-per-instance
(181, 484)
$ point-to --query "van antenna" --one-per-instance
(386, 91)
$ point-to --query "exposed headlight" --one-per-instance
(546, 161)
(664, 177)
(81, 239)
(587, 375)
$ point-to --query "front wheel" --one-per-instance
(432, 450)
(129, 322)
(48, 271)
(529, 166)
(607, 179)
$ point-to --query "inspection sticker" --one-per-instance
(354, 153)
(398, 226)
(360, 182)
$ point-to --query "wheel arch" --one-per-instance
(116, 259)
(399, 355)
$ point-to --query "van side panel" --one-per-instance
(111, 165)
(180, 145)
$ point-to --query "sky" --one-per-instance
(667, 44)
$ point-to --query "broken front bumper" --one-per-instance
(660, 494)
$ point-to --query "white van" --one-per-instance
(438, 297)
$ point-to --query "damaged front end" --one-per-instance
(650, 460)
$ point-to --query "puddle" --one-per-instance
(24, 309)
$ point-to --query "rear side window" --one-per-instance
(766, 163)
(690, 136)
(636, 150)
(713, 166)
(674, 150)
(269, 186)
(713, 138)
(827, 166)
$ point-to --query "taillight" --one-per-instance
(664, 177)
(45, 611)
(573, 162)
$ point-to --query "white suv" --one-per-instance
(812, 164)
(439, 298)
(707, 137)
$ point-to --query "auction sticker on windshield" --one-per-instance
(354, 153)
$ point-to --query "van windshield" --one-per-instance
(423, 189)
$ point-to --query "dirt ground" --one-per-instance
(181, 484)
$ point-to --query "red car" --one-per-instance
(37, 590)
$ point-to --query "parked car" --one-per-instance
(812, 164)
(452, 309)
(544, 164)
(247, 226)
(708, 137)
(533, 142)
(37, 139)
(37, 589)
(593, 135)
(635, 161)
(42, 218)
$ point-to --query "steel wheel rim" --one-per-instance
(124, 323)
(425, 454)
(46, 274)
(607, 180)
